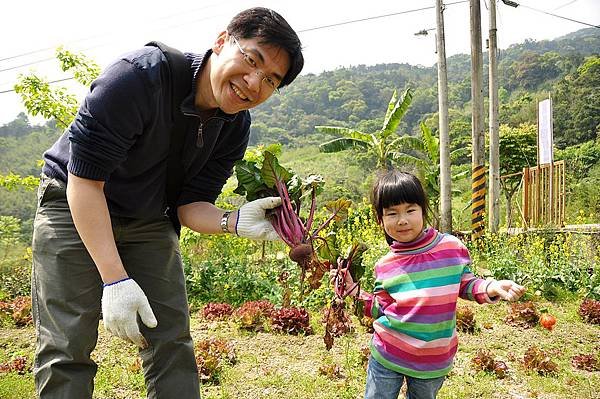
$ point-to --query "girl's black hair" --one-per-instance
(272, 29)
(393, 187)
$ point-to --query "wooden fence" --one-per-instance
(544, 195)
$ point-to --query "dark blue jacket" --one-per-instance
(121, 135)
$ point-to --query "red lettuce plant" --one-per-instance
(257, 180)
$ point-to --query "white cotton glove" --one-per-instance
(251, 221)
(121, 302)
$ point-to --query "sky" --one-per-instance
(102, 30)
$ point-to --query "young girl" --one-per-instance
(417, 285)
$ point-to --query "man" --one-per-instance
(102, 240)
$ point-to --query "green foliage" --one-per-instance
(56, 103)
(13, 181)
(518, 150)
(84, 69)
(382, 145)
(551, 264)
(577, 105)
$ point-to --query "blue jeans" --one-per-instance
(383, 383)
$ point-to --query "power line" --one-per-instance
(53, 81)
(377, 17)
(299, 31)
(187, 12)
(558, 16)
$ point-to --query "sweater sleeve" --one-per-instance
(109, 121)
(378, 301)
(473, 288)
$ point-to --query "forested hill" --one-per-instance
(358, 96)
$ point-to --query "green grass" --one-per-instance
(275, 366)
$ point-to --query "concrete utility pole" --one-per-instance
(494, 200)
(477, 129)
(445, 182)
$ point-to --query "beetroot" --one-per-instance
(301, 254)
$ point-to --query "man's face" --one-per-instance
(244, 73)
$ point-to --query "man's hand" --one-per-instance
(251, 222)
(121, 303)
(505, 289)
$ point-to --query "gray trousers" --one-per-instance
(67, 292)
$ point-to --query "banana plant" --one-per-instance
(382, 144)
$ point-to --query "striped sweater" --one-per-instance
(413, 305)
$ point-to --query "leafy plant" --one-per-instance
(589, 310)
(484, 361)
(586, 362)
(271, 179)
(465, 319)
(331, 371)
(18, 365)
(383, 145)
(18, 310)
(538, 360)
(523, 314)
(291, 320)
(253, 315)
(212, 311)
(211, 356)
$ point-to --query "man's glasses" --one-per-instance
(270, 81)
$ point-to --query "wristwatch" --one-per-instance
(225, 222)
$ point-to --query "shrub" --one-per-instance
(291, 321)
(18, 365)
(212, 311)
(484, 361)
(538, 360)
(211, 356)
(253, 315)
(465, 319)
(523, 315)
(18, 310)
(586, 362)
(589, 310)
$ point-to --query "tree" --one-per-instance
(382, 145)
(57, 103)
(577, 105)
(518, 149)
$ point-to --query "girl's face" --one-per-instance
(403, 222)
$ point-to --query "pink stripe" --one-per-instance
(417, 358)
(413, 342)
(428, 309)
(392, 338)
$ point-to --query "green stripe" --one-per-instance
(423, 275)
(445, 327)
(409, 372)
(431, 282)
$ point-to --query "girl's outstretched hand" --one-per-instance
(343, 283)
(505, 289)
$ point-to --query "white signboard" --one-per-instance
(545, 137)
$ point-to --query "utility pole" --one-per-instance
(477, 129)
(445, 181)
(494, 200)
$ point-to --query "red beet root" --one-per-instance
(301, 253)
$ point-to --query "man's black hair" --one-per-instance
(270, 28)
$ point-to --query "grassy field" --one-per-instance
(279, 366)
